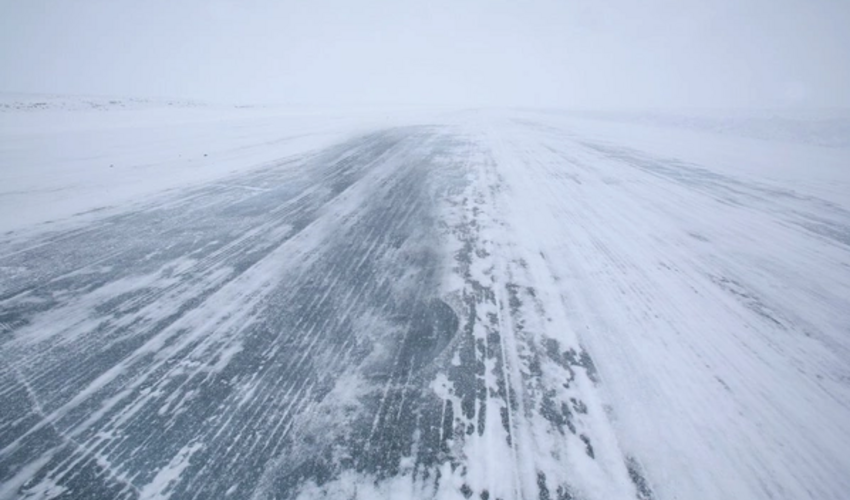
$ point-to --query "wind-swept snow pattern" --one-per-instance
(498, 306)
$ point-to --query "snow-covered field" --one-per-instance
(201, 301)
(64, 156)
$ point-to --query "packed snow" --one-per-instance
(207, 301)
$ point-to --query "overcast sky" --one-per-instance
(567, 53)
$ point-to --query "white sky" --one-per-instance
(571, 53)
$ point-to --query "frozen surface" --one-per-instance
(484, 304)
(63, 156)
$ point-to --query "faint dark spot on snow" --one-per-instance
(588, 448)
(579, 406)
(506, 424)
(563, 493)
(541, 486)
(644, 492)
(513, 298)
(466, 491)
(559, 415)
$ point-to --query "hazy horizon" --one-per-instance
(576, 54)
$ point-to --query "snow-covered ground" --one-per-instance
(257, 303)
(64, 156)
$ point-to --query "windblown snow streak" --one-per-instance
(492, 309)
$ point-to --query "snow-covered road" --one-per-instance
(502, 305)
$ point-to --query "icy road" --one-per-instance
(494, 307)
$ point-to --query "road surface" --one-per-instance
(493, 308)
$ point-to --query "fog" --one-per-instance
(572, 53)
